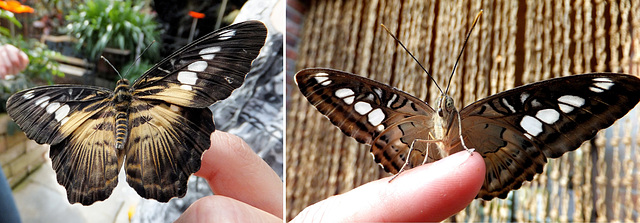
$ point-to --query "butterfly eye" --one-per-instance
(440, 113)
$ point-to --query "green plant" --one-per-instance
(115, 24)
(134, 71)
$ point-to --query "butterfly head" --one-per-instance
(447, 112)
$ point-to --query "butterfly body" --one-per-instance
(515, 131)
(159, 126)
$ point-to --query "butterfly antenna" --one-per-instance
(461, 51)
(410, 54)
(138, 57)
(114, 68)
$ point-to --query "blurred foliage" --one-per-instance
(116, 24)
(50, 13)
(135, 70)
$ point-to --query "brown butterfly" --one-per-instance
(515, 131)
(160, 125)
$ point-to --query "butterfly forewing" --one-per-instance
(43, 113)
(163, 116)
(373, 113)
(206, 70)
(516, 130)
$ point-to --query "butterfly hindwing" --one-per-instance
(176, 137)
(373, 113)
(206, 70)
(517, 130)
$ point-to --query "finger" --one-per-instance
(24, 60)
(234, 170)
(5, 63)
(12, 53)
(224, 209)
(431, 192)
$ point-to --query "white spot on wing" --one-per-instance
(602, 79)
(378, 91)
(52, 107)
(186, 87)
(504, 101)
(376, 116)
(523, 97)
(349, 100)
(535, 103)
(64, 120)
(344, 92)
(197, 66)
(186, 77)
(61, 114)
(394, 97)
(568, 102)
(227, 35)
(28, 95)
(531, 125)
(548, 116)
(43, 101)
(324, 81)
(175, 108)
(209, 53)
(362, 107)
(380, 128)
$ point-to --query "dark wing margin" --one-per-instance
(517, 130)
(165, 147)
(78, 123)
(206, 70)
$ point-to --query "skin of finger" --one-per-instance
(5, 64)
(224, 209)
(431, 192)
(234, 170)
(13, 55)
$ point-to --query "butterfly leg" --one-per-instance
(462, 139)
(411, 148)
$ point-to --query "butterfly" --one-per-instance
(159, 126)
(515, 131)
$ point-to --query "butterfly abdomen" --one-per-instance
(122, 100)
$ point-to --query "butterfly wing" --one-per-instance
(371, 112)
(517, 130)
(205, 71)
(165, 147)
(170, 123)
(78, 123)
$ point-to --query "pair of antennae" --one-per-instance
(457, 60)
(136, 60)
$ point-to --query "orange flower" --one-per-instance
(15, 7)
(196, 15)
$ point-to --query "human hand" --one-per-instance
(12, 60)
(431, 192)
(246, 189)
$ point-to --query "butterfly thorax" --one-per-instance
(122, 100)
(445, 118)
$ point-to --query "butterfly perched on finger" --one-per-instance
(158, 127)
(515, 131)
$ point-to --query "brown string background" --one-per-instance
(514, 43)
